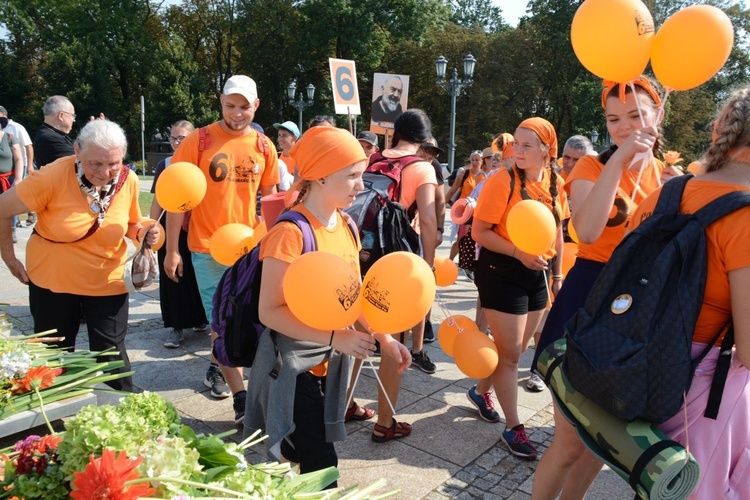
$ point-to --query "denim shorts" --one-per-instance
(208, 272)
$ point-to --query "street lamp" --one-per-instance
(300, 103)
(454, 86)
(594, 137)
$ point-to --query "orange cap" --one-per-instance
(544, 130)
(322, 151)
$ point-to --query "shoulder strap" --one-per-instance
(466, 175)
(204, 142)
(512, 173)
(309, 244)
(671, 194)
(720, 375)
(721, 206)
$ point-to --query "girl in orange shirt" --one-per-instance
(721, 446)
(331, 163)
(512, 284)
(603, 196)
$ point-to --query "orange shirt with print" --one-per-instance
(470, 183)
(727, 243)
(493, 206)
(90, 267)
(235, 169)
(626, 201)
(284, 242)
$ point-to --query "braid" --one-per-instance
(522, 176)
(553, 192)
(729, 130)
(304, 188)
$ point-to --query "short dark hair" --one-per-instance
(412, 126)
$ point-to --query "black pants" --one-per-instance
(106, 319)
(309, 447)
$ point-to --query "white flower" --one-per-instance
(14, 363)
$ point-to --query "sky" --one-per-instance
(512, 10)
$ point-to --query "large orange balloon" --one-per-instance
(572, 231)
(475, 354)
(230, 242)
(446, 271)
(450, 327)
(613, 38)
(259, 232)
(531, 227)
(691, 46)
(323, 291)
(398, 290)
(570, 253)
(146, 222)
(181, 187)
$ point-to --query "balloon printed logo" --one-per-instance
(645, 24)
(376, 297)
(348, 295)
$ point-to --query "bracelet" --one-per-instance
(558, 277)
(330, 342)
(441, 229)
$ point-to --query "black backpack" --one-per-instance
(384, 224)
(629, 347)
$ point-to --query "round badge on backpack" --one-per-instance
(621, 303)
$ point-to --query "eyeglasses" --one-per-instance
(72, 115)
(177, 139)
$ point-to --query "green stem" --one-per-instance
(41, 409)
(185, 482)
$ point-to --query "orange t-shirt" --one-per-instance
(93, 266)
(291, 164)
(589, 168)
(727, 242)
(234, 169)
(493, 207)
(284, 242)
(470, 183)
(414, 176)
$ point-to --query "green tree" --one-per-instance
(478, 14)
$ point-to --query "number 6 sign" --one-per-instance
(344, 84)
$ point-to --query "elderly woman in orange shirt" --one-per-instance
(86, 204)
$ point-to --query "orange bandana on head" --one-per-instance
(544, 130)
(322, 151)
(504, 143)
(641, 82)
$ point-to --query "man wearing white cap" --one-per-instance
(287, 137)
(237, 162)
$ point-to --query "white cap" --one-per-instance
(242, 85)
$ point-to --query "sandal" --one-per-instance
(395, 431)
(352, 413)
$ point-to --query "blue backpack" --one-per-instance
(235, 316)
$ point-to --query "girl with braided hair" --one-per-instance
(512, 284)
(720, 446)
(604, 191)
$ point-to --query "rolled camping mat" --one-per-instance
(655, 466)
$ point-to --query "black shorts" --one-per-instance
(506, 285)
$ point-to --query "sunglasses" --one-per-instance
(323, 118)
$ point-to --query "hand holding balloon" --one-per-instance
(354, 343)
(394, 349)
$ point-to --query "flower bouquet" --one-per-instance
(33, 373)
(139, 449)
(672, 158)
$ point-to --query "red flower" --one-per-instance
(35, 453)
(104, 479)
(39, 376)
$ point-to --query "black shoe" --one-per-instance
(422, 361)
(239, 407)
(429, 333)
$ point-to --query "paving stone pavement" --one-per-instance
(451, 453)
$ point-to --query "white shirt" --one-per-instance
(19, 132)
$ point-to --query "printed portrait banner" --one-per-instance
(344, 85)
(390, 96)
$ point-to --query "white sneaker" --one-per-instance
(535, 383)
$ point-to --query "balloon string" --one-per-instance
(158, 219)
(393, 410)
(546, 287)
(354, 384)
(637, 103)
(447, 313)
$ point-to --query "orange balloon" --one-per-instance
(259, 232)
(691, 46)
(450, 327)
(613, 38)
(570, 253)
(531, 227)
(572, 231)
(230, 242)
(181, 187)
(475, 354)
(162, 234)
(323, 291)
(446, 271)
(695, 168)
(399, 289)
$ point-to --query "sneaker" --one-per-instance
(535, 383)
(429, 333)
(205, 328)
(215, 380)
(422, 361)
(31, 220)
(174, 337)
(484, 404)
(239, 407)
(517, 442)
